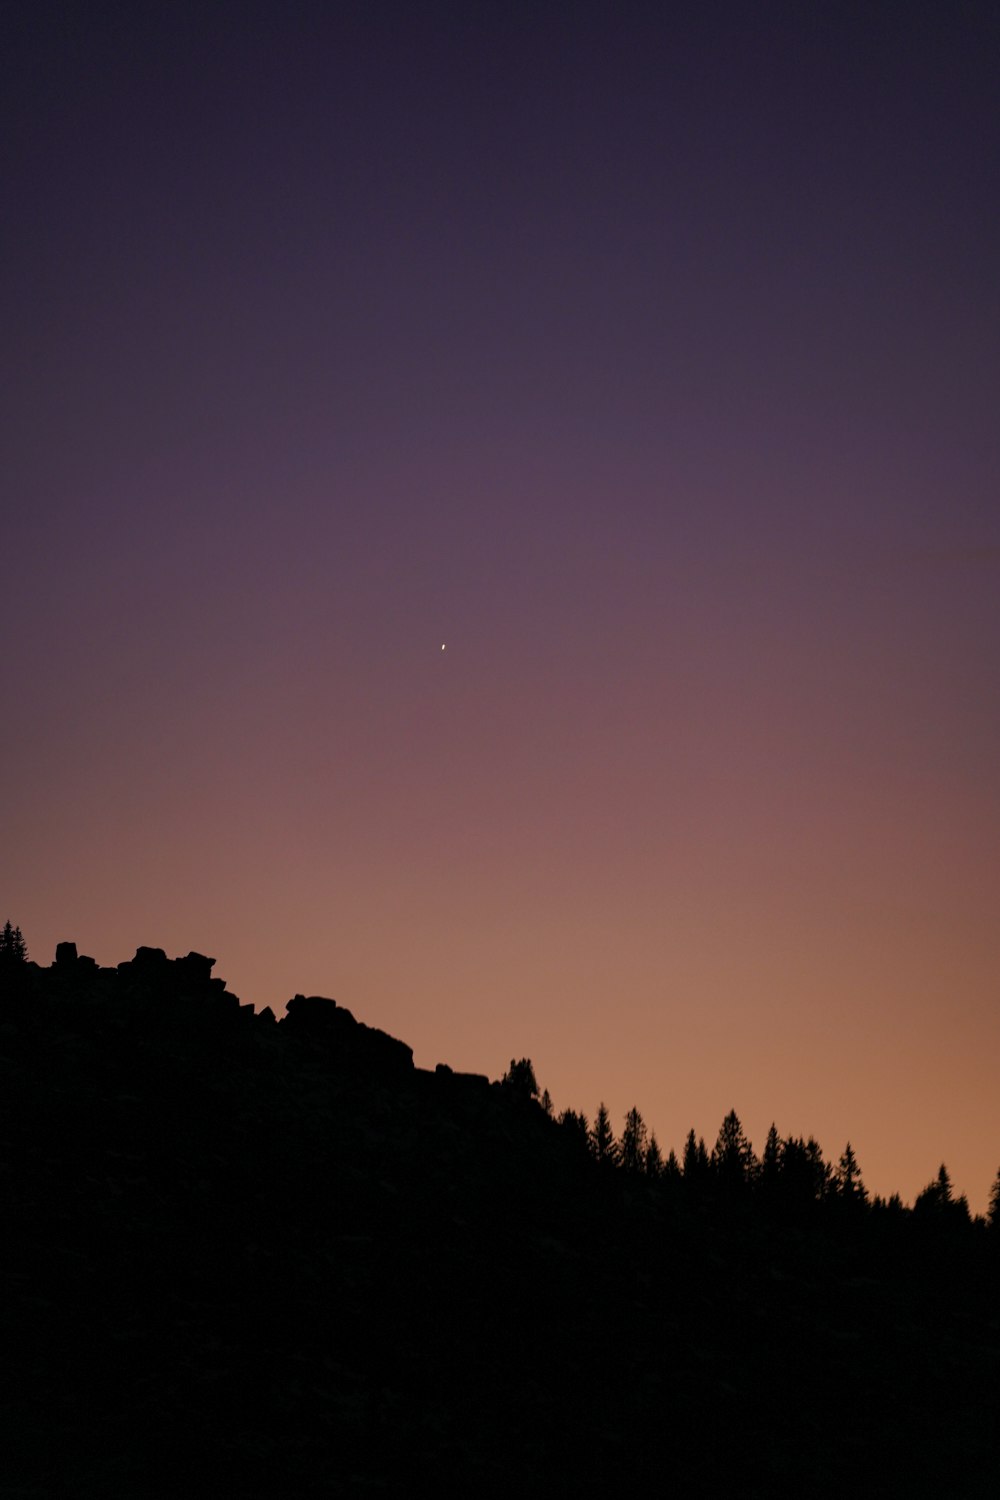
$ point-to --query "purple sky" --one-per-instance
(645, 354)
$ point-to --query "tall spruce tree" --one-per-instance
(13, 948)
(939, 1204)
(768, 1182)
(733, 1160)
(672, 1168)
(577, 1129)
(805, 1176)
(846, 1181)
(603, 1146)
(634, 1142)
(770, 1161)
(653, 1161)
(695, 1164)
(936, 1196)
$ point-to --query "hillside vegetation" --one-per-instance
(245, 1257)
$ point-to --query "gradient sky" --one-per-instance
(645, 354)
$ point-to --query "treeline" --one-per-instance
(13, 948)
(791, 1179)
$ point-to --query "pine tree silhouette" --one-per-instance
(733, 1158)
(633, 1142)
(696, 1165)
(805, 1176)
(603, 1145)
(672, 1168)
(846, 1181)
(13, 948)
(936, 1196)
(520, 1079)
(653, 1161)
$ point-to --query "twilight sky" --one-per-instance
(645, 354)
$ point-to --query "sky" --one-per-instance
(645, 356)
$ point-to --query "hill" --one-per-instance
(260, 1258)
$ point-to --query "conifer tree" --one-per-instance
(633, 1142)
(13, 948)
(821, 1170)
(938, 1202)
(936, 1196)
(603, 1146)
(696, 1169)
(695, 1166)
(847, 1182)
(768, 1182)
(520, 1079)
(577, 1127)
(732, 1158)
(770, 1162)
(944, 1191)
(805, 1176)
(653, 1164)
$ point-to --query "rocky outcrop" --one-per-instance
(331, 1027)
(261, 1259)
(181, 998)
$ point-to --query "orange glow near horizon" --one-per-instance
(644, 360)
(688, 904)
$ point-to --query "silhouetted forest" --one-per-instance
(261, 1258)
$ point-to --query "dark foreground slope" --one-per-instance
(245, 1258)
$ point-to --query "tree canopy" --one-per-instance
(604, 1148)
(13, 948)
(520, 1078)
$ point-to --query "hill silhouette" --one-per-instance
(263, 1258)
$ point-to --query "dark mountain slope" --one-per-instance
(253, 1258)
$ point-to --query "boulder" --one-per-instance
(195, 969)
(319, 1020)
(150, 957)
(316, 1013)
